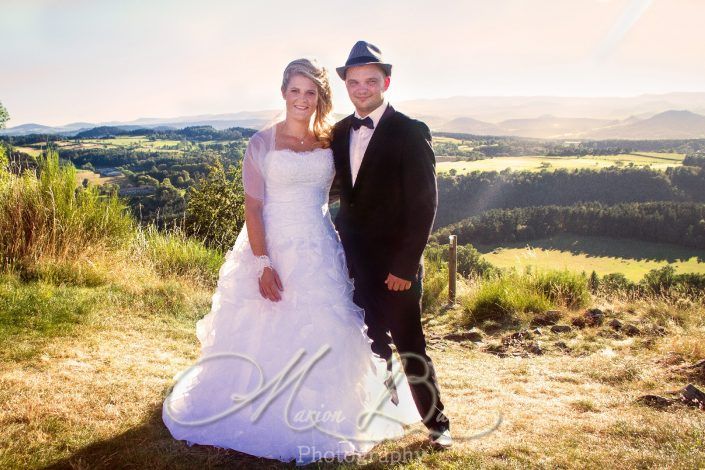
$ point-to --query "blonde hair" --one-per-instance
(310, 69)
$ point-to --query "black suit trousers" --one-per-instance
(395, 317)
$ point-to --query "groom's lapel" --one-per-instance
(376, 141)
(345, 153)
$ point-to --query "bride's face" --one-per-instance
(301, 97)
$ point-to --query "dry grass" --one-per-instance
(92, 398)
(103, 380)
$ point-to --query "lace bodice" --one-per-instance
(293, 187)
(296, 186)
(302, 178)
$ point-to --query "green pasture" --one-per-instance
(603, 255)
(462, 145)
(654, 160)
(35, 152)
(128, 142)
(95, 178)
(137, 142)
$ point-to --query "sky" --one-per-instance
(64, 61)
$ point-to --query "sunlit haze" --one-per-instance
(98, 60)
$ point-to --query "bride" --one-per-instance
(286, 370)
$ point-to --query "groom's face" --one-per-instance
(366, 85)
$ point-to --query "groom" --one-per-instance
(385, 176)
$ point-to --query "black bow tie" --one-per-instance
(357, 122)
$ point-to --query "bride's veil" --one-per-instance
(252, 165)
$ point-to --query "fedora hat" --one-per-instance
(364, 53)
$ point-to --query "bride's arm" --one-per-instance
(269, 283)
(255, 225)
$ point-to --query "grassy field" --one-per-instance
(133, 143)
(88, 394)
(657, 161)
(35, 152)
(96, 179)
(462, 145)
(601, 254)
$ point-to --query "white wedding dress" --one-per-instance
(294, 379)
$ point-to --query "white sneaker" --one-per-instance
(442, 440)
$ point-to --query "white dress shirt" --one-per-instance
(360, 139)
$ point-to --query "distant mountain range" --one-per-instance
(667, 125)
(666, 116)
(500, 108)
(250, 119)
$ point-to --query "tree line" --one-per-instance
(469, 195)
(191, 133)
(518, 146)
(681, 223)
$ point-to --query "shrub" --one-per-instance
(616, 282)
(215, 207)
(435, 285)
(173, 253)
(511, 298)
(470, 261)
(46, 214)
(564, 287)
(503, 300)
(664, 281)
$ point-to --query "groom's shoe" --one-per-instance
(441, 440)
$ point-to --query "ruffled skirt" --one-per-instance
(288, 380)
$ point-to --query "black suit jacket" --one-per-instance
(385, 219)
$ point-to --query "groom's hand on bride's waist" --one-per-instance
(397, 283)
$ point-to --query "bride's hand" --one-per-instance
(270, 285)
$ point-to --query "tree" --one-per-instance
(146, 180)
(594, 281)
(215, 206)
(4, 116)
